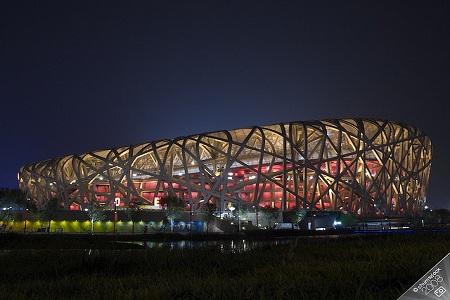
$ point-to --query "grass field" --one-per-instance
(369, 267)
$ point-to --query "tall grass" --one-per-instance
(362, 268)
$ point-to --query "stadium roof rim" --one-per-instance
(307, 122)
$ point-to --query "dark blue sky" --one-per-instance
(77, 76)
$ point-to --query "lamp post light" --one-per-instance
(115, 217)
(239, 215)
(10, 215)
(219, 176)
(239, 207)
(26, 216)
(201, 201)
(232, 209)
(190, 215)
(239, 218)
(256, 214)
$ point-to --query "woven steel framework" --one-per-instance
(368, 167)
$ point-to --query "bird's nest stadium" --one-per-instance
(366, 167)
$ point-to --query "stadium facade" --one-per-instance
(367, 167)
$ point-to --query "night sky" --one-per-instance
(78, 76)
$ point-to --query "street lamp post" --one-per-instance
(115, 217)
(26, 216)
(232, 209)
(190, 215)
(201, 201)
(256, 213)
(239, 215)
(25, 224)
(219, 174)
(10, 215)
(116, 203)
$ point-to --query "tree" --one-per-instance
(437, 216)
(95, 214)
(209, 209)
(271, 214)
(174, 207)
(241, 213)
(133, 215)
(299, 215)
(12, 198)
(49, 212)
(5, 217)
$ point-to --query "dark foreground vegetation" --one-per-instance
(367, 267)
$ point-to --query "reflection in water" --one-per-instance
(224, 246)
(233, 246)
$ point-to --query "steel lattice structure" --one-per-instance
(368, 167)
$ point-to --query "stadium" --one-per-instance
(370, 168)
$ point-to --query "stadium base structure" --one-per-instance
(370, 168)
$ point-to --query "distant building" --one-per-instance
(366, 167)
